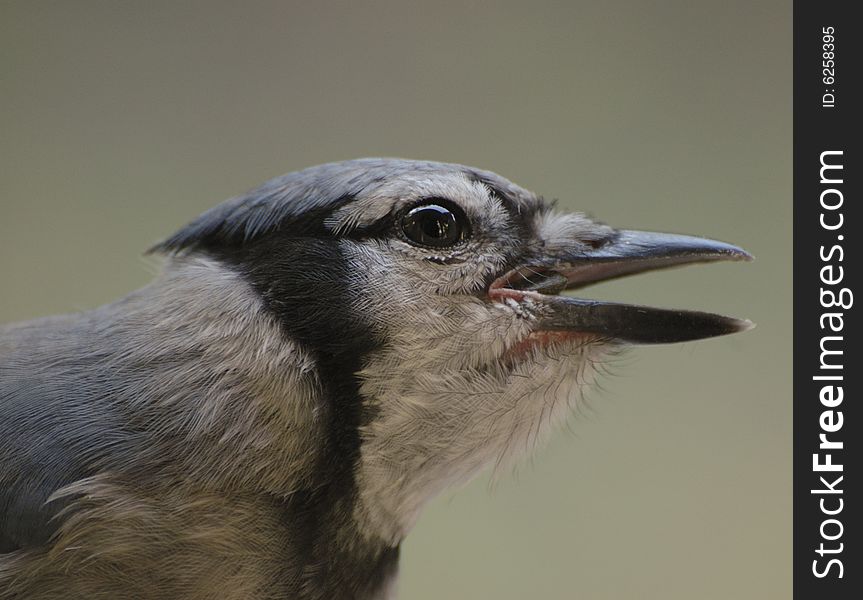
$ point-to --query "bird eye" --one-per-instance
(434, 225)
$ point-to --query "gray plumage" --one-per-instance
(289, 200)
(269, 416)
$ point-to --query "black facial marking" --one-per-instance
(379, 229)
(303, 282)
(522, 215)
(214, 229)
(339, 562)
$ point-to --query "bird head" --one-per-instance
(430, 298)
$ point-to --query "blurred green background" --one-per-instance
(121, 121)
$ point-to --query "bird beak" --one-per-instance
(626, 253)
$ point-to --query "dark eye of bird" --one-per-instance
(434, 225)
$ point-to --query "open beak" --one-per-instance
(625, 253)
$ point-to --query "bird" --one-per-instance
(316, 360)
